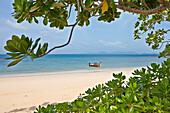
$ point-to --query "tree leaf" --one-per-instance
(16, 38)
(15, 57)
(34, 8)
(58, 5)
(113, 6)
(35, 44)
(13, 54)
(23, 37)
(22, 18)
(35, 20)
(87, 22)
(87, 3)
(15, 62)
(23, 46)
(6, 47)
(44, 48)
(39, 50)
(105, 7)
(45, 21)
(19, 5)
(30, 43)
(13, 45)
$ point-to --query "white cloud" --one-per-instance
(50, 31)
(115, 43)
(45, 33)
(16, 25)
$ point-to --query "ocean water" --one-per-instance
(73, 63)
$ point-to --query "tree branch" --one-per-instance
(130, 4)
(145, 12)
(78, 5)
(60, 45)
(63, 10)
(42, 2)
(162, 44)
(145, 4)
(161, 1)
(69, 12)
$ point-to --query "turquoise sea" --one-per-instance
(73, 63)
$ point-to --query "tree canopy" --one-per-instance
(57, 13)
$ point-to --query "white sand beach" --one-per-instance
(24, 94)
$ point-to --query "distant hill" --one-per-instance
(124, 52)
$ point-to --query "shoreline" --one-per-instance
(47, 73)
(24, 94)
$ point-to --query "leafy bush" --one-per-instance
(149, 92)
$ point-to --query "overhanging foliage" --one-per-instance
(56, 13)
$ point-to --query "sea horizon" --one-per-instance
(75, 63)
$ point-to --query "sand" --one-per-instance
(24, 94)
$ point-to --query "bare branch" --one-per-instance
(162, 44)
(64, 10)
(42, 2)
(161, 1)
(69, 12)
(145, 12)
(120, 2)
(78, 5)
(131, 4)
(60, 45)
(145, 4)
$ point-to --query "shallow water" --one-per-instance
(74, 63)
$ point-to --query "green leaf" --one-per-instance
(135, 98)
(44, 48)
(39, 50)
(168, 60)
(88, 110)
(113, 6)
(13, 45)
(165, 82)
(34, 8)
(87, 22)
(113, 107)
(35, 20)
(52, 24)
(22, 18)
(16, 38)
(13, 54)
(15, 57)
(131, 110)
(35, 44)
(58, 5)
(87, 3)
(155, 99)
(23, 46)
(6, 47)
(19, 5)
(30, 43)
(79, 103)
(23, 37)
(15, 62)
(63, 21)
(45, 21)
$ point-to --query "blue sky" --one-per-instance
(98, 37)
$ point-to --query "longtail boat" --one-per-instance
(95, 64)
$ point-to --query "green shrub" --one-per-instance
(148, 92)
